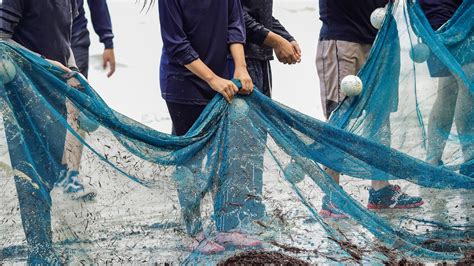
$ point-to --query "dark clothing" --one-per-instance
(261, 74)
(101, 22)
(439, 12)
(183, 116)
(196, 29)
(43, 27)
(348, 20)
(258, 23)
(81, 54)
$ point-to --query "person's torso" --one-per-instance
(45, 28)
(262, 12)
(439, 12)
(205, 23)
(348, 20)
(206, 26)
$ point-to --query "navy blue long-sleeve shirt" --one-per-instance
(190, 30)
(101, 22)
(439, 12)
(259, 21)
(43, 27)
(348, 20)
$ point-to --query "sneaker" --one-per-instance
(330, 210)
(237, 239)
(75, 188)
(205, 246)
(391, 197)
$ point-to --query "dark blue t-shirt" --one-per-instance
(194, 29)
(439, 12)
(101, 21)
(348, 20)
(41, 26)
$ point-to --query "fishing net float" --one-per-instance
(153, 189)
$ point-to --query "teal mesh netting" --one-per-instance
(154, 190)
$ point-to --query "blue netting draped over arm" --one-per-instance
(155, 193)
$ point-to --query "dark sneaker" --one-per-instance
(391, 197)
(330, 210)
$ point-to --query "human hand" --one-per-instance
(69, 76)
(242, 74)
(223, 86)
(108, 58)
(58, 64)
(285, 52)
(297, 49)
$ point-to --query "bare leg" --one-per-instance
(376, 184)
(73, 147)
(464, 116)
(379, 184)
(71, 180)
(441, 119)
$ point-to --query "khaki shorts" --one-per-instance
(335, 60)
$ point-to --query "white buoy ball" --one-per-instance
(7, 71)
(239, 109)
(87, 124)
(294, 173)
(377, 17)
(351, 85)
(420, 52)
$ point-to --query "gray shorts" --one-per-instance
(335, 60)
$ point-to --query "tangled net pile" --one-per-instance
(148, 182)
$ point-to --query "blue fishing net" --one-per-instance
(418, 89)
(252, 166)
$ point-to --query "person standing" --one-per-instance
(265, 35)
(454, 103)
(345, 41)
(43, 27)
(101, 21)
(197, 38)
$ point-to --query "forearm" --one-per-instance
(223, 86)
(198, 68)
(277, 28)
(238, 54)
(256, 32)
(273, 40)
